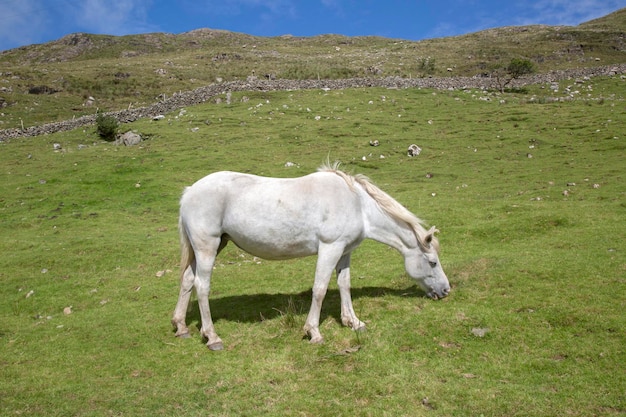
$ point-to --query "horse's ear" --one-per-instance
(429, 235)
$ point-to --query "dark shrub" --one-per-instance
(41, 89)
(106, 126)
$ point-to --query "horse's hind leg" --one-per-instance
(180, 312)
(348, 316)
(205, 259)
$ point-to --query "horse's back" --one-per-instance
(274, 217)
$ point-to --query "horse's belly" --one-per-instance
(275, 246)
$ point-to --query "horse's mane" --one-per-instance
(387, 203)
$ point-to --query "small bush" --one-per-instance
(516, 68)
(519, 67)
(42, 89)
(426, 66)
(106, 126)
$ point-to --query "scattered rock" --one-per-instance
(426, 403)
(349, 350)
(374, 143)
(67, 310)
(414, 150)
(480, 331)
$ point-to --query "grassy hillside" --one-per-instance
(528, 193)
(82, 73)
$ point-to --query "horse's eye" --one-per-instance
(433, 264)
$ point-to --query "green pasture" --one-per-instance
(528, 191)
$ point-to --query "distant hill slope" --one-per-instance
(78, 73)
(603, 38)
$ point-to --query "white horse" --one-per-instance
(327, 213)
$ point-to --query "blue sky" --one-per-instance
(24, 22)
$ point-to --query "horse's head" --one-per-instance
(423, 266)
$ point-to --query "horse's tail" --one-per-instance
(187, 255)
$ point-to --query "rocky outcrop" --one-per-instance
(207, 93)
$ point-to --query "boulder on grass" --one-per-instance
(129, 139)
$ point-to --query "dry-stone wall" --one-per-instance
(203, 94)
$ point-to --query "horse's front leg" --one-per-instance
(328, 255)
(348, 316)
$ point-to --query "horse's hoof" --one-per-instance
(184, 335)
(215, 346)
(317, 340)
(361, 329)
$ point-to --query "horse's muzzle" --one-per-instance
(435, 295)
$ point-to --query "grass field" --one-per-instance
(528, 193)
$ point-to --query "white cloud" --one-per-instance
(114, 17)
(569, 12)
(236, 7)
(332, 4)
(469, 17)
(24, 22)
(17, 20)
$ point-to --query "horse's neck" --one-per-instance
(384, 229)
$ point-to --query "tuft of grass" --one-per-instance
(531, 326)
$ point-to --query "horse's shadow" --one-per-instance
(253, 308)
